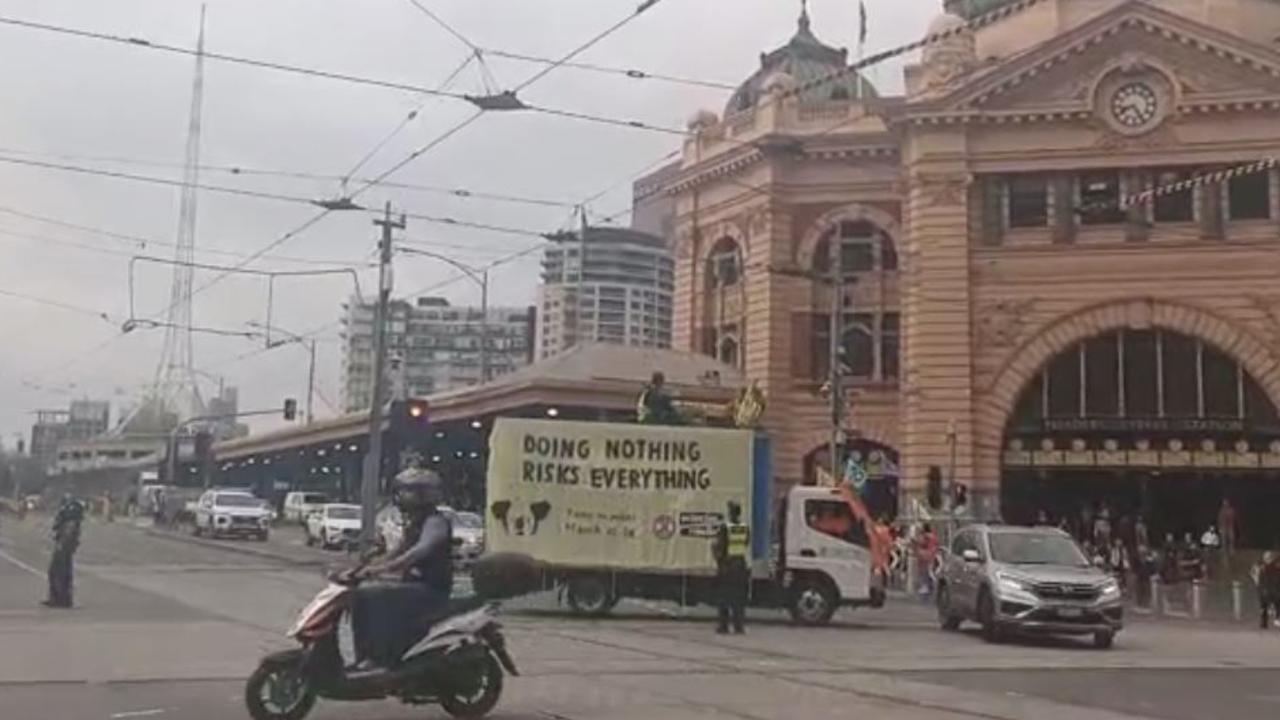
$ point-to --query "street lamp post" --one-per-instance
(480, 276)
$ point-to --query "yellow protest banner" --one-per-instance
(613, 495)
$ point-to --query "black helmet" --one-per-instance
(417, 489)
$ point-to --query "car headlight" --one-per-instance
(1109, 590)
(1013, 583)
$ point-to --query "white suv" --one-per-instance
(231, 512)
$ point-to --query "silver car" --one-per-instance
(1031, 580)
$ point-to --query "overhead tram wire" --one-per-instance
(640, 9)
(645, 5)
(408, 118)
(459, 277)
(127, 254)
(245, 171)
(475, 49)
(605, 69)
(345, 77)
(154, 180)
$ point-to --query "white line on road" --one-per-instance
(18, 563)
(139, 713)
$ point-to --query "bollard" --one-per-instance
(1197, 598)
(911, 574)
(1237, 600)
(1157, 597)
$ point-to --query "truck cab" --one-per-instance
(827, 561)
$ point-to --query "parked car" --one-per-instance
(1026, 580)
(232, 513)
(334, 525)
(298, 505)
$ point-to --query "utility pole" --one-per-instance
(484, 326)
(311, 380)
(836, 326)
(369, 485)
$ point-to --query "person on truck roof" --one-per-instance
(732, 542)
(655, 406)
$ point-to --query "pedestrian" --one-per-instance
(1268, 579)
(1101, 532)
(1140, 534)
(66, 539)
(1227, 526)
(926, 555)
(1118, 562)
(732, 541)
(1042, 519)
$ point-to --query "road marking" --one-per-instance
(18, 563)
(139, 713)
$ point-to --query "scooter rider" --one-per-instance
(386, 615)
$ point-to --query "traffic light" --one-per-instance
(409, 417)
(933, 490)
(416, 411)
(290, 409)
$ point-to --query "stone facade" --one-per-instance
(1083, 99)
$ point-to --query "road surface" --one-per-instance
(167, 628)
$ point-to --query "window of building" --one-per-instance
(860, 349)
(1249, 196)
(1175, 206)
(890, 346)
(1100, 198)
(729, 351)
(859, 346)
(863, 248)
(1028, 201)
(724, 265)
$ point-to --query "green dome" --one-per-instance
(969, 9)
(804, 58)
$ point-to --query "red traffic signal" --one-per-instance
(416, 410)
(290, 409)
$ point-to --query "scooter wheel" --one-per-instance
(275, 691)
(478, 692)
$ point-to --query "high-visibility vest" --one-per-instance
(736, 546)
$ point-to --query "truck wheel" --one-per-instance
(813, 602)
(589, 595)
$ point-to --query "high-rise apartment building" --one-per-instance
(431, 347)
(621, 294)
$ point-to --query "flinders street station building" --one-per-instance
(1058, 254)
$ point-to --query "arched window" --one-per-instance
(1141, 374)
(863, 248)
(728, 351)
(724, 264)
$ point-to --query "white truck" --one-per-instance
(618, 511)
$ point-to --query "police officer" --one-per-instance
(730, 552)
(66, 538)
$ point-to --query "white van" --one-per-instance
(298, 505)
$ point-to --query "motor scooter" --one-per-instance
(457, 662)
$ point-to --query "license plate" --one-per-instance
(1070, 612)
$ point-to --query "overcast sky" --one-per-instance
(88, 103)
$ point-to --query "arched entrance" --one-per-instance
(1144, 422)
(880, 472)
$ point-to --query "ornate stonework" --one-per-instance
(1003, 324)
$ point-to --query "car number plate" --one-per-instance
(1070, 612)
